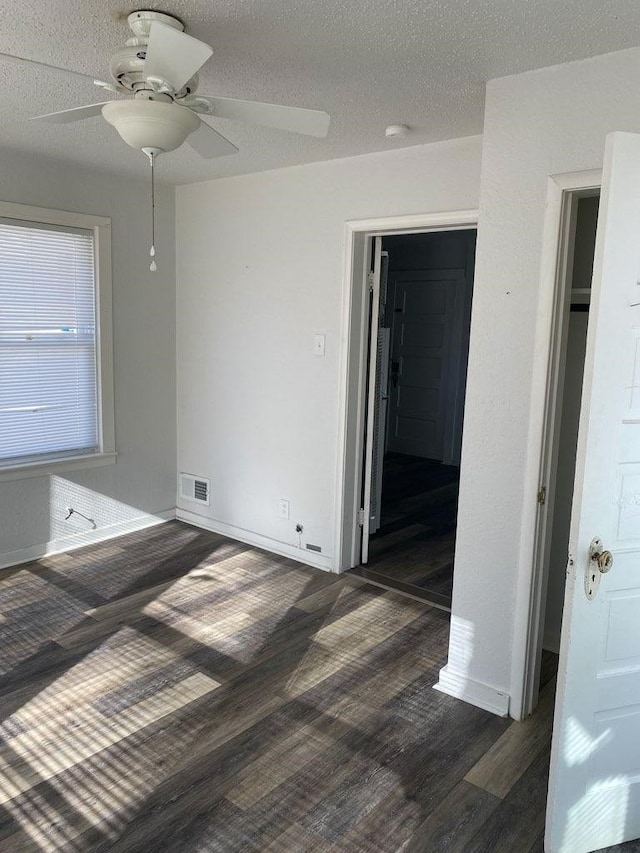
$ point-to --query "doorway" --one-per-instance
(555, 497)
(570, 395)
(419, 319)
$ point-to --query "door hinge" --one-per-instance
(361, 518)
(371, 281)
(542, 495)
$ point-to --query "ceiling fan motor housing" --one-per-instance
(127, 64)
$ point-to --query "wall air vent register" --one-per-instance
(194, 488)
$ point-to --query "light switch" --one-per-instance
(318, 344)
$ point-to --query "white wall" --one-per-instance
(143, 479)
(259, 272)
(540, 123)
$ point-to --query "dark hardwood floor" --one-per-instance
(173, 690)
(413, 549)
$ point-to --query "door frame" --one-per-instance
(354, 366)
(563, 191)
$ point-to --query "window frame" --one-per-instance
(100, 227)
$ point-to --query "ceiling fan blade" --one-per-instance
(208, 143)
(76, 114)
(294, 119)
(174, 56)
(111, 87)
(24, 59)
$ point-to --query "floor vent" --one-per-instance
(314, 548)
(194, 488)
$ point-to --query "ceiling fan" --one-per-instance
(158, 67)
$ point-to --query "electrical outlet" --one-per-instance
(283, 508)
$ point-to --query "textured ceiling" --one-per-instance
(369, 63)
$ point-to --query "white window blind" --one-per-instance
(48, 373)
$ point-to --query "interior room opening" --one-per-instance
(421, 334)
(577, 297)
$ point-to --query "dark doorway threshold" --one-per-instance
(442, 602)
(413, 550)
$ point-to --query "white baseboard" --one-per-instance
(79, 540)
(284, 549)
(475, 692)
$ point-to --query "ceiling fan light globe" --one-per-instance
(151, 124)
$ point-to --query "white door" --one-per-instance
(424, 363)
(380, 421)
(594, 787)
(369, 481)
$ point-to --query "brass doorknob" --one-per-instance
(605, 561)
(599, 563)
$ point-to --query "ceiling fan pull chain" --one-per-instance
(152, 252)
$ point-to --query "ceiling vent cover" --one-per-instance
(195, 488)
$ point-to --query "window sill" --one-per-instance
(55, 466)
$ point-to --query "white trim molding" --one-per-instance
(56, 466)
(79, 540)
(416, 223)
(284, 549)
(477, 693)
(51, 216)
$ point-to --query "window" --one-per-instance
(56, 406)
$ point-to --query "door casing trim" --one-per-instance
(531, 585)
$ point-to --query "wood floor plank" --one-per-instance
(293, 800)
(159, 760)
(370, 624)
(328, 595)
(274, 766)
(500, 768)
(356, 796)
(455, 820)
(173, 690)
(387, 827)
(75, 737)
(387, 541)
(127, 604)
(110, 667)
(297, 839)
(518, 821)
